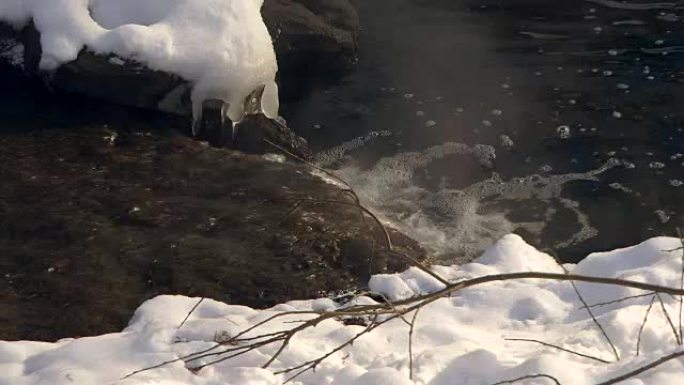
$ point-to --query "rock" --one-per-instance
(309, 36)
(106, 77)
(91, 76)
(313, 36)
(91, 226)
(257, 134)
(135, 85)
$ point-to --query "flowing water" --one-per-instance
(560, 121)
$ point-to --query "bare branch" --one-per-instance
(618, 300)
(313, 363)
(395, 310)
(529, 377)
(642, 369)
(669, 320)
(387, 238)
(410, 342)
(190, 312)
(601, 360)
(326, 172)
(170, 361)
(588, 309)
(643, 323)
(357, 201)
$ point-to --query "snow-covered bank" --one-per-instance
(221, 46)
(461, 339)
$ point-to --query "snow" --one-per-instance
(462, 339)
(221, 46)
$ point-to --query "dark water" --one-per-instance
(582, 103)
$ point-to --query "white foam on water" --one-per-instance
(331, 156)
(460, 223)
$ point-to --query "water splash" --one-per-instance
(456, 224)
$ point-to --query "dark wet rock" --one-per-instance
(214, 126)
(123, 82)
(106, 77)
(257, 134)
(94, 221)
(316, 36)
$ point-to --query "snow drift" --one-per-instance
(221, 46)
(463, 339)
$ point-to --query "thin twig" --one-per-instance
(642, 369)
(410, 342)
(388, 240)
(618, 300)
(560, 348)
(190, 312)
(168, 362)
(299, 158)
(667, 317)
(349, 189)
(588, 309)
(411, 304)
(313, 363)
(529, 377)
(643, 323)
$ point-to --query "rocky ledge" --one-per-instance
(102, 210)
(95, 220)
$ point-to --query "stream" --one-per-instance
(466, 120)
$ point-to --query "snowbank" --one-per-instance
(221, 46)
(458, 340)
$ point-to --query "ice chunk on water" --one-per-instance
(663, 217)
(563, 132)
(506, 141)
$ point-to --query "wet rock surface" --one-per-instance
(314, 39)
(102, 207)
(93, 221)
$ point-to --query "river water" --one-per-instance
(466, 120)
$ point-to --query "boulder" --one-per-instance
(93, 221)
(310, 36)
